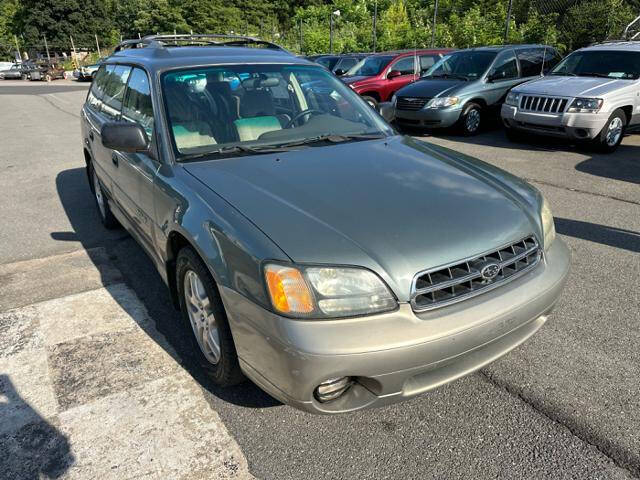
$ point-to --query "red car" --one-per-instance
(380, 75)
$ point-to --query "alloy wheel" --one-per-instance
(614, 132)
(98, 192)
(201, 316)
(472, 122)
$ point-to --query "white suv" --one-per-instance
(592, 94)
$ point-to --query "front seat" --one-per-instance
(258, 115)
(187, 118)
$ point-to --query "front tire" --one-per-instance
(104, 210)
(471, 119)
(371, 101)
(204, 316)
(611, 134)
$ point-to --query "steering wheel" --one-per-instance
(303, 113)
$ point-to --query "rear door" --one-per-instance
(139, 169)
(94, 119)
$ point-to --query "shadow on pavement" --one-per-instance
(141, 275)
(35, 449)
(611, 236)
(622, 165)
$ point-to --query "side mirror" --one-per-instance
(339, 72)
(124, 136)
(394, 74)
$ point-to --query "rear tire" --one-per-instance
(203, 314)
(102, 204)
(471, 119)
(612, 133)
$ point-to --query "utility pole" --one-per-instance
(46, 47)
(75, 54)
(375, 22)
(98, 45)
(18, 48)
(301, 39)
(433, 26)
(506, 28)
(337, 14)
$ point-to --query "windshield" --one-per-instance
(250, 108)
(468, 65)
(370, 66)
(600, 63)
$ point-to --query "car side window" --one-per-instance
(405, 66)
(94, 98)
(551, 59)
(137, 106)
(114, 90)
(427, 61)
(531, 61)
(505, 67)
(347, 63)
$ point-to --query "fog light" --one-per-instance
(581, 132)
(332, 388)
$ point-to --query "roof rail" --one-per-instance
(162, 41)
(626, 30)
(622, 40)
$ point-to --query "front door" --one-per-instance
(503, 75)
(407, 68)
(137, 170)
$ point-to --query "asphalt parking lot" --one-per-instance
(96, 379)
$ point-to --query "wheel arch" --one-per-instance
(372, 94)
(628, 112)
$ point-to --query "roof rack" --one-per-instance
(176, 40)
(621, 40)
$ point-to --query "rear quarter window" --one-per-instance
(94, 98)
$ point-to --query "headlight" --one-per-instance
(586, 105)
(548, 227)
(513, 99)
(443, 102)
(326, 292)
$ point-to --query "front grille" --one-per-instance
(461, 280)
(411, 103)
(543, 104)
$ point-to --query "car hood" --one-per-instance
(396, 206)
(572, 86)
(354, 79)
(430, 88)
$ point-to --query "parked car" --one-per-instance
(306, 244)
(87, 72)
(592, 95)
(377, 77)
(4, 66)
(46, 72)
(13, 73)
(464, 87)
(340, 64)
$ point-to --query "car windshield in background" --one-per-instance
(462, 65)
(370, 66)
(245, 109)
(600, 63)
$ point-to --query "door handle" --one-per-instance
(91, 135)
(114, 159)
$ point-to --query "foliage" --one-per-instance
(567, 24)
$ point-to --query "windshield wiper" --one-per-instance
(564, 74)
(450, 75)
(590, 74)
(333, 138)
(234, 149)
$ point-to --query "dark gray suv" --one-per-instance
(465, 86)
(309, 247)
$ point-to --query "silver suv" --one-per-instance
(592, 95)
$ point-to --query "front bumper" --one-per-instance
(428, 117)
(575, 126)
(392, 356)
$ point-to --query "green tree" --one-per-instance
(594, 21)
